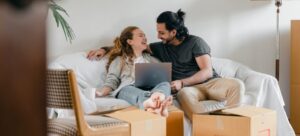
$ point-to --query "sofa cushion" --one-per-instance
(88, 73)
(225, 67)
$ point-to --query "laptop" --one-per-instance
(148, 75)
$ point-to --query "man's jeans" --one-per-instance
(137, 96)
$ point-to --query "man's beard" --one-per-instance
(168, 41)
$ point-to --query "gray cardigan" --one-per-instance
(116, 79)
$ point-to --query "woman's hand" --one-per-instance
(103, 92)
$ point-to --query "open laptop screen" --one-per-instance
(148, 75)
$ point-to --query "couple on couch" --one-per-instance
(193, 77)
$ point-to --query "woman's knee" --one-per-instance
(163, 84)
(163, 87)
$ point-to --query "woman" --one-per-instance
(130, 48)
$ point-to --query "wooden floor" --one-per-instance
(297, 134)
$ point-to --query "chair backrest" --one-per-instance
(62, 92)
(58, 87)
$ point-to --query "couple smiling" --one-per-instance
(193, 77)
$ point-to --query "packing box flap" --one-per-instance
(134, 115)
(110, 109)
(247, 111)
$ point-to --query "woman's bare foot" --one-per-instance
(164, 106)
(150, 110)
(162, 109)
(168, 100)
(154, 101)
(151, 103)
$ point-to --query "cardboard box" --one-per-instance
(295, 76)
(241, 121)
(175, 121)
(142, 123)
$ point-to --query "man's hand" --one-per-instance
(96, 54)
(103, 92)
(176, 86)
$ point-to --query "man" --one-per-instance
(193, 77)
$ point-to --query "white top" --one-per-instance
(140, 59)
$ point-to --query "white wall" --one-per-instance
(242, 30)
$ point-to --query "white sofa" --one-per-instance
(262, 90)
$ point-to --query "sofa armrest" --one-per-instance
(259, 87)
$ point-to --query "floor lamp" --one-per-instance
(278, 3)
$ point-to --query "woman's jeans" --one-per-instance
(136, 96)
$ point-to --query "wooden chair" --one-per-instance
(62, 92)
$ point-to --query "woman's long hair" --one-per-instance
(122, 48)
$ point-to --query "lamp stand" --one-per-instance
(278, 3)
